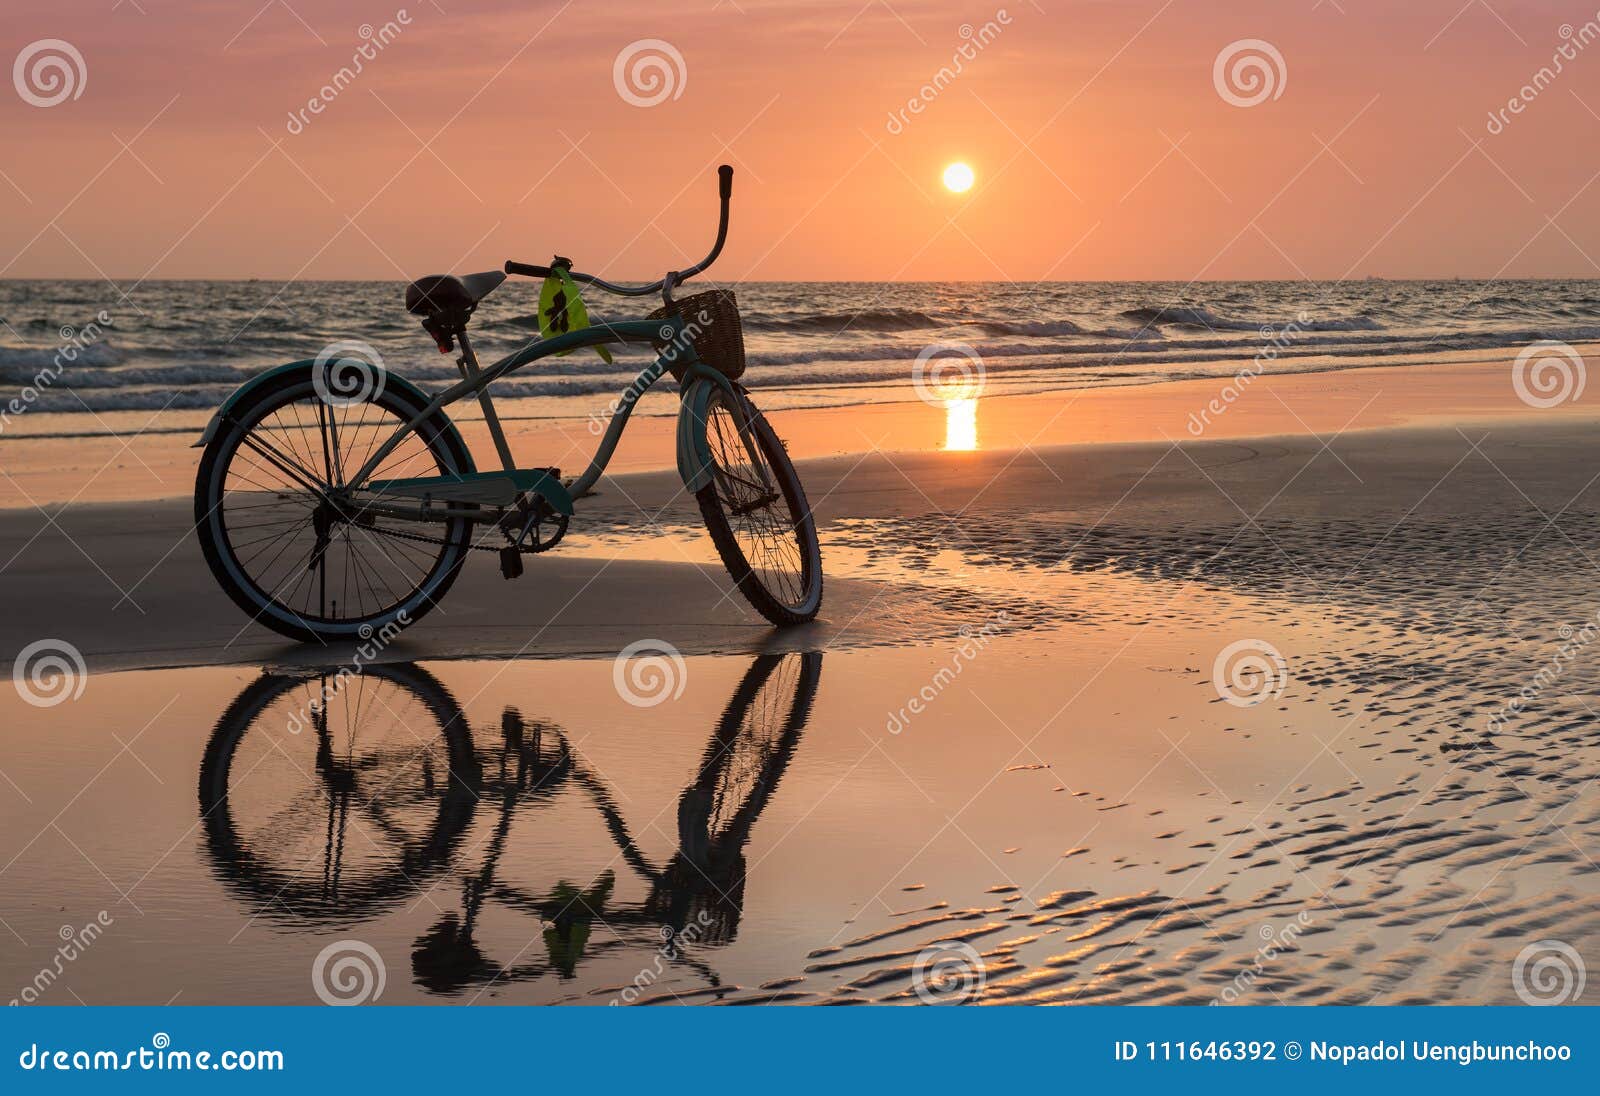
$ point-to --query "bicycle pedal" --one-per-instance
(510, 562)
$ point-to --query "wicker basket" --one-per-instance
(711, 326)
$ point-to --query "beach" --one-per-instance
(1171, 693)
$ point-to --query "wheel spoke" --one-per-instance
(290, 531)
(284, 464)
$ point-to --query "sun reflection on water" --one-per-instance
(961, 425)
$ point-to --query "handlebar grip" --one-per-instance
(725, 181)
(527, 269)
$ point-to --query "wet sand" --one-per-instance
(124, 582)
(1005, 767)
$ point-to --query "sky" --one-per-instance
(1105, 141)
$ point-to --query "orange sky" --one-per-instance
(1068, 116)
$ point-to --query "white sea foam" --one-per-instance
(187, 345)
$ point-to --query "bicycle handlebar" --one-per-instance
(724, 192)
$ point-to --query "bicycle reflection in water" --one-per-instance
(395, 780)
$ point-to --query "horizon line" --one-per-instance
(247, 279)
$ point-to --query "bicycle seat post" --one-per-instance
(469, 369)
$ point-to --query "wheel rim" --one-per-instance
(757, 735)
(327, 796)
(766, 517)
(293, 536)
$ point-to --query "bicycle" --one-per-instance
(328, 801)
(333, 506)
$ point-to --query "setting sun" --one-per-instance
(958, 177)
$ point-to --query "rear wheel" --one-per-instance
(291, 546)
(757, 514)
(331, 797)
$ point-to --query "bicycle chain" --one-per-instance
(420, 539)
(397, 535)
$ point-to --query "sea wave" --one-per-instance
(827, 363)
(756, 320)
(868, 319)
(807, 343)
(21, 364)
(843, 370)
(1058, 328)
(1185, 316)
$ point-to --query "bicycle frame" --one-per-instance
(476, 381)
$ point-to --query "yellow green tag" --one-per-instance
(561, 309)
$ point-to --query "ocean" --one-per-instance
(177, 347)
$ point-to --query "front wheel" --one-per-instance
(757, 514)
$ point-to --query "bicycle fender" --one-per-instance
(694, 455)
(239, 394)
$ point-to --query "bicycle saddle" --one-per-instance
(445, 302)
